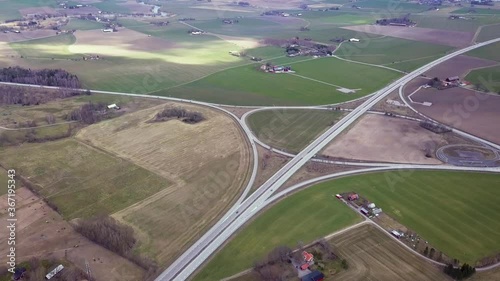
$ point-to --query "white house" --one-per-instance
(354, 40)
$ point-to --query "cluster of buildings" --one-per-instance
(367, 209)
(276, 68)
(450, 82)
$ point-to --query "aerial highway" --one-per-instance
(185, 265)
(244, 209)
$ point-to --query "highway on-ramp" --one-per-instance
(187, 263)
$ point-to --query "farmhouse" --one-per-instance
(313, 276)
(353, 197)
(276, 68)
(308, 257)
(54, 271)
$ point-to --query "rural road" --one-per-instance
(245, 209)
(184, 266)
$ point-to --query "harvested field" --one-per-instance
(467, 110)
(458, 66)
(373, 255)
(81, 181)
(208, 164)
(436, 36)
(386, 139)
(43, 233)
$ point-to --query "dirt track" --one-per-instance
(435, 36)
(386, 139)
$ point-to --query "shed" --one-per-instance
(113, 106)
(304, 266)
(314, 276)
(396, 233)
(371, 205)
(376, 211)
(354, 40)
(364, 211)
(54, 271)
(452, 79)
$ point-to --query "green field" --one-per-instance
(50, 47)
(487, 77)
(478, 11)
(393, 52)
(247, 85)
(292, 129)
(305, 216)
(64, 172)
(79, 24)
(442, 22)
(489, 32)
(111, 6)
(126, 69)
(489, 52)
(455, 211)
(10, 8)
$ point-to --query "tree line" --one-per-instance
(44, 77)
(459, 273)
(190, 117)
(14, 95)
(90, 113)
(116, 237)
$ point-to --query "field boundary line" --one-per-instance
(316, 80)
(370, 64)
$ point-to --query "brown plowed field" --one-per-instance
(386, 139)
(467, 110)
(458, 66)
(435, 36)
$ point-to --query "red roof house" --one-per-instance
(308, 257)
